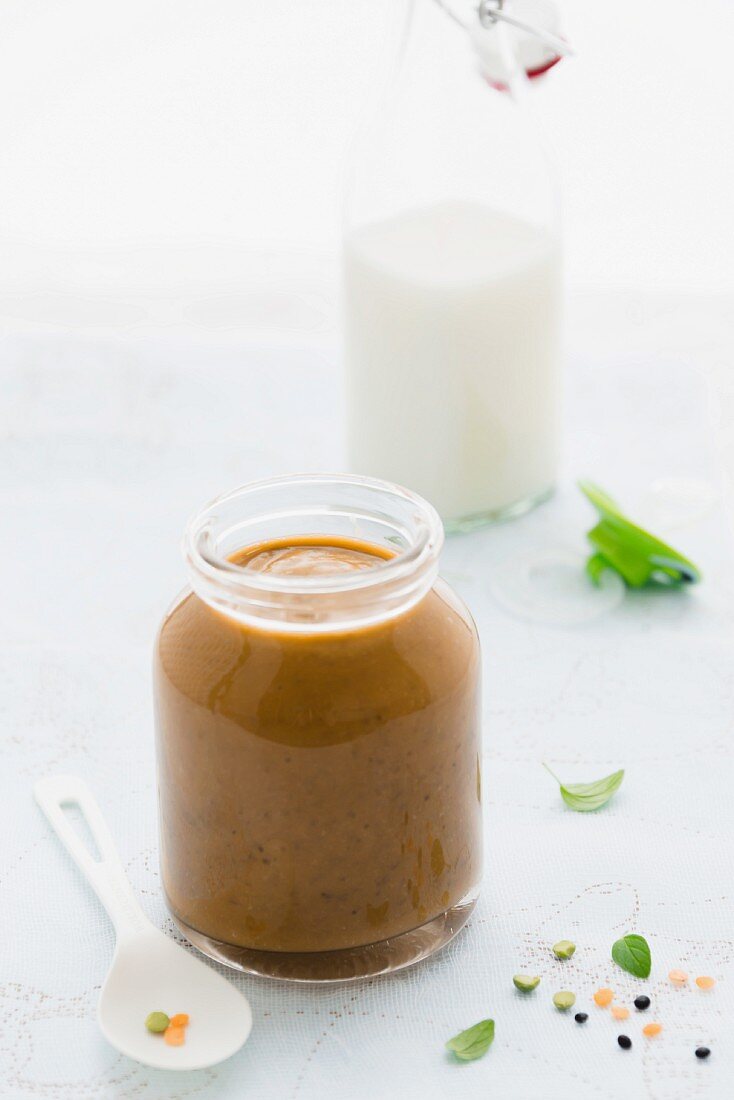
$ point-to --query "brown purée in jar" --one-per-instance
(318, 791)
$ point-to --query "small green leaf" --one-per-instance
(632, 953)
(564, 1000)
(585, 797)
(474, 1042)
(525, 983)
(564, 949)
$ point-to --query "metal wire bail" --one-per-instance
(491, 12)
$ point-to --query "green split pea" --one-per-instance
(157, 1022)
(525, 983)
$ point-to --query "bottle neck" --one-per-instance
(302, 507)
(445, 132)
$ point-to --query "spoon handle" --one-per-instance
(105, 875)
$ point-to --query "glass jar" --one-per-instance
(318, 733)
(452, 277)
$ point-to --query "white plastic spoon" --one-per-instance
(149, 972)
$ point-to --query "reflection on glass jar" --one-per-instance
(317, 697)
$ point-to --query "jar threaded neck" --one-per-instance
(338, 506)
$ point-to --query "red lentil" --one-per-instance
(174, 1036)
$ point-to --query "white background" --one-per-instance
(169, 208)
(173, 120)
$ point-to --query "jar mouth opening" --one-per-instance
(367, 509)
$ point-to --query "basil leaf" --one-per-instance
(632, 953)
(474, 1042)
(585, 797)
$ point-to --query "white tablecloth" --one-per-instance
(108, 444)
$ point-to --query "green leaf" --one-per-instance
(585, 797)
(639, 557)
(632, 953)
(601, 500)
(474, 1042)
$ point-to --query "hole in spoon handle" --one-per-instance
(106, 875)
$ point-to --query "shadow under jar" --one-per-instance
(318, 733)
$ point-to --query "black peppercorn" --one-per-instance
(581, 1017)
(642, 1002)
(624, 1041)
(702, 1052)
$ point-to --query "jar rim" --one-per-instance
(417, 526)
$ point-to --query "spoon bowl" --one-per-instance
(150, 972)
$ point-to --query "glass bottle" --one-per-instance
(318, 733)
(452, 278)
